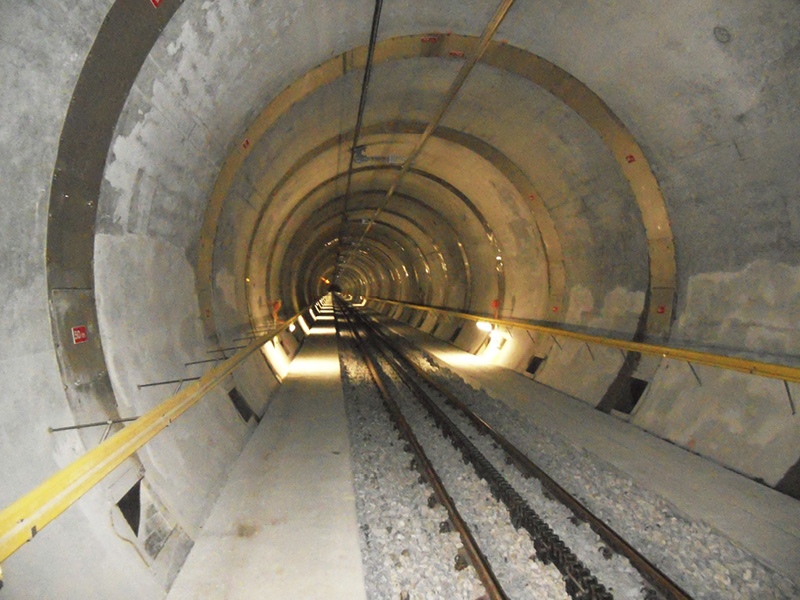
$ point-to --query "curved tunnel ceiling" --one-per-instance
(233, 149)
(532, 192)
(617, 167)
(519, 156)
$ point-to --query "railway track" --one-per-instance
(429, 418)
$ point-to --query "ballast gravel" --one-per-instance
(705, 563)
(509, 551)
(404, 555)
(612, 570)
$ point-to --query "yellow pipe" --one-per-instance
(24, 518)
(743, 365)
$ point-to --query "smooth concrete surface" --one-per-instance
(285, 523)
(708, 90)
(759, 519)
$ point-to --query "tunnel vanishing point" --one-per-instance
(172, 169)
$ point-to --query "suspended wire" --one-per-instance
(455, 87)
(362, 102)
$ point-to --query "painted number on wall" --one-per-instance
(79, 334)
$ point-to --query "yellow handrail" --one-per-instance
(28, 515)
(743, 365)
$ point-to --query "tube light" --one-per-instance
(483, 326)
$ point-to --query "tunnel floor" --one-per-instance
(286, 523)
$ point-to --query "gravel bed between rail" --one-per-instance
(403, 553)
(614, 571)
(508, 550)
(705, 563)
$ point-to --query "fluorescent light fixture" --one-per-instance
(498, 257)
(323, 331)
(277, 358)
(483, 326)
(303, 325)
(497, 342)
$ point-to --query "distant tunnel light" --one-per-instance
(483, 326)
(292, 328)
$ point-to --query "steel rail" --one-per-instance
(579, 581)
(362, 103)
(731, 363)
(662, 583)
(474, 56)
(483, 569)
(24, 518)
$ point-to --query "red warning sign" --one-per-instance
(79, 334)
(155, 3)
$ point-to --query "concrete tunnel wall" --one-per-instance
(223, 162)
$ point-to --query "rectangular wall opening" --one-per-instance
(130, 505)
(242, 407)
(637, 388)
(534, 365)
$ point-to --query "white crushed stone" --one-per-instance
(615, 573)
(403, 553)
(701, 560)
(508, 550)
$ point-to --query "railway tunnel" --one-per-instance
(182, 177)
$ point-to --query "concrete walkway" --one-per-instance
(754, 516)
(285, 525)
